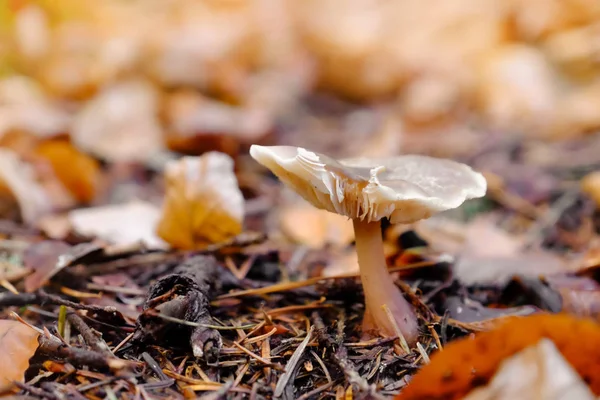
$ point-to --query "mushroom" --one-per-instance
(404, 189)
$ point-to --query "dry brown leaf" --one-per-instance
(44, 258)
(314, 227)
(537, 372)
(20, 190)
(18, 343)
(203, 203)
(121, 224)
(490, 254)
(120, 123)
(78, 172)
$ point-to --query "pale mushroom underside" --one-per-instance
(404, 189)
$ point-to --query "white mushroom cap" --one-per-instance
(404, 189)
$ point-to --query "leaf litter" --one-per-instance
(178, 280)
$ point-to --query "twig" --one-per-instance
(256, 357)
(51, 346)
(291, 367)
(157, 370)
(340, 356)
(89, 336)
(41, 298)
(196, 324)
(309, 395)
(322, 364)
(37, 392)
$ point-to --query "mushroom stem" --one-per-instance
(379, 287)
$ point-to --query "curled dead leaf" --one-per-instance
(203, 203)
(18, 343)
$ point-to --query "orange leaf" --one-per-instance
(77, 171)
(469, 362)
(18, 343)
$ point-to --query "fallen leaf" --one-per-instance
(315, 227)
(203, 203)
(55, 226)
(518, 89)
(18, 343)
(537, 372)
(18, 187)
(122, 224)
(43, 259)
(24, 108)
(120, 123)
(196, 124)
(590, 185)
(490, 254)
(471, 362)
(78, 172)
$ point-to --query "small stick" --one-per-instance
(51, 346)
(255, 356)
(290, 368)
(41, 298)
(89, 336)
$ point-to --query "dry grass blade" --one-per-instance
(285, 286)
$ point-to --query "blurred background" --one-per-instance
(92, 87)
(334, 75)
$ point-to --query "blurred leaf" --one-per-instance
(590, 185)
(122, 224)
(537, 372)
(18, 343)
(43, 258)
(78, 172)
(120, 123)
(492, 255)
(19, 188)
